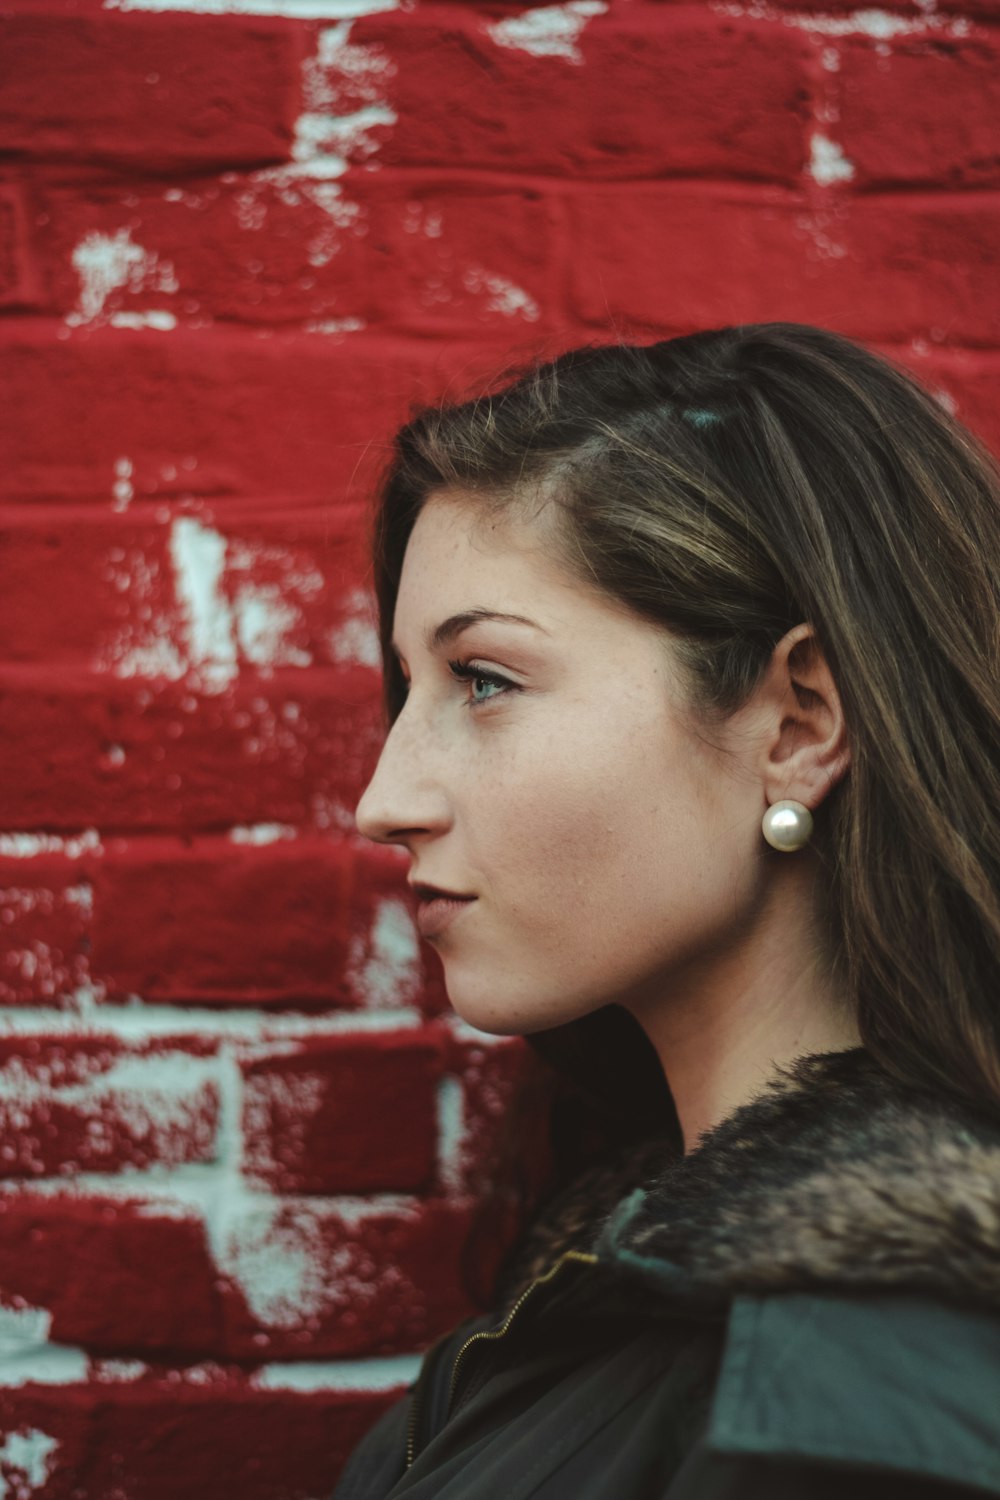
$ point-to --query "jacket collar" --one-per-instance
(834, 1177)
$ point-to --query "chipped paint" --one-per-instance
(339, 1375)
(168, 1098)
(122, 489)
(261, 833)
(28, 1453)
(112, 263)
(334, 327)
(549, 31)
(880, 25)
(451, 1132)
(827, 162)
(30, 845)
(383, 966)
(504, 296)
(221, 618)
(23, 1329)
(198, 554)
(138, 1022)
(326, 142)
(356, 639)
(164, 321)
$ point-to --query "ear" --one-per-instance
(804, 752)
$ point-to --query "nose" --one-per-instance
(405, 796)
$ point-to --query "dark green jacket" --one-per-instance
(807, 1305)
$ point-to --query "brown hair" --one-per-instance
(731, 484)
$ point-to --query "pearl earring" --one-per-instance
(787, 826)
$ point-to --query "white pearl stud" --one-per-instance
(787, 826)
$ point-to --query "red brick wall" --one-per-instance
(250, 1166)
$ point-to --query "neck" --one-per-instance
(721, 1026)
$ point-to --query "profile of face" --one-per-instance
(561, 781)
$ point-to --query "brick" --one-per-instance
(207, 1430)
(382, 249)
(268, 1279)
(226, 412)
(329, 1118)
(504, 1102)
(967, 379)
(20, 285)
(186, 92)
(45, 911)
(109, 1273)
(309, 922)
(497, 1146)
(321, 1284)
(926, 111)
(296, 746)
(657, 91)
(290, 587)
(97, 1104)
(672, 259)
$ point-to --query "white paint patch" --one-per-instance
(261, 833)
(827, 163)
(325, 145)
(356, 639)
(107, 264)
(30, 845)
(122, 490)
(451, 1133)
(29, 1453)
(49, 1364)
(23, 1330)
(880, 25)
(327, 141)
(550, 31)
(338, 62)
(339, 1375)
(335, 327)
(161, 320)
(503, 296)
(299, 10)
(383, 966)
(119, 1371)
(143, 1022)
(223, 616)
(198, 555)
(168, 1098)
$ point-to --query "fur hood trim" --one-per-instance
(833, 1178)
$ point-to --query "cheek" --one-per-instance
(618, 837)
(577, 817)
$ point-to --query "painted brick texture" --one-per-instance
(251, 1165)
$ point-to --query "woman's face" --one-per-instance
(609, 849)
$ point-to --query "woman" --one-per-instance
(691, 675)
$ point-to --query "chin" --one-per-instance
(518, 1015)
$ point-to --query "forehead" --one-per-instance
(456, 546)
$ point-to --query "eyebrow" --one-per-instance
(449, 629)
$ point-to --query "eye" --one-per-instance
(469, 671)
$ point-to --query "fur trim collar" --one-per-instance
(834, 1177)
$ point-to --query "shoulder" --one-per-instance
(901, 1383)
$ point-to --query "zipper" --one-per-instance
(488, 1333)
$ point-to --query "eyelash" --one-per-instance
(469, 671)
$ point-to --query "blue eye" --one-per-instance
(468, 671)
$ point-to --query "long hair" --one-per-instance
(730, 484)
